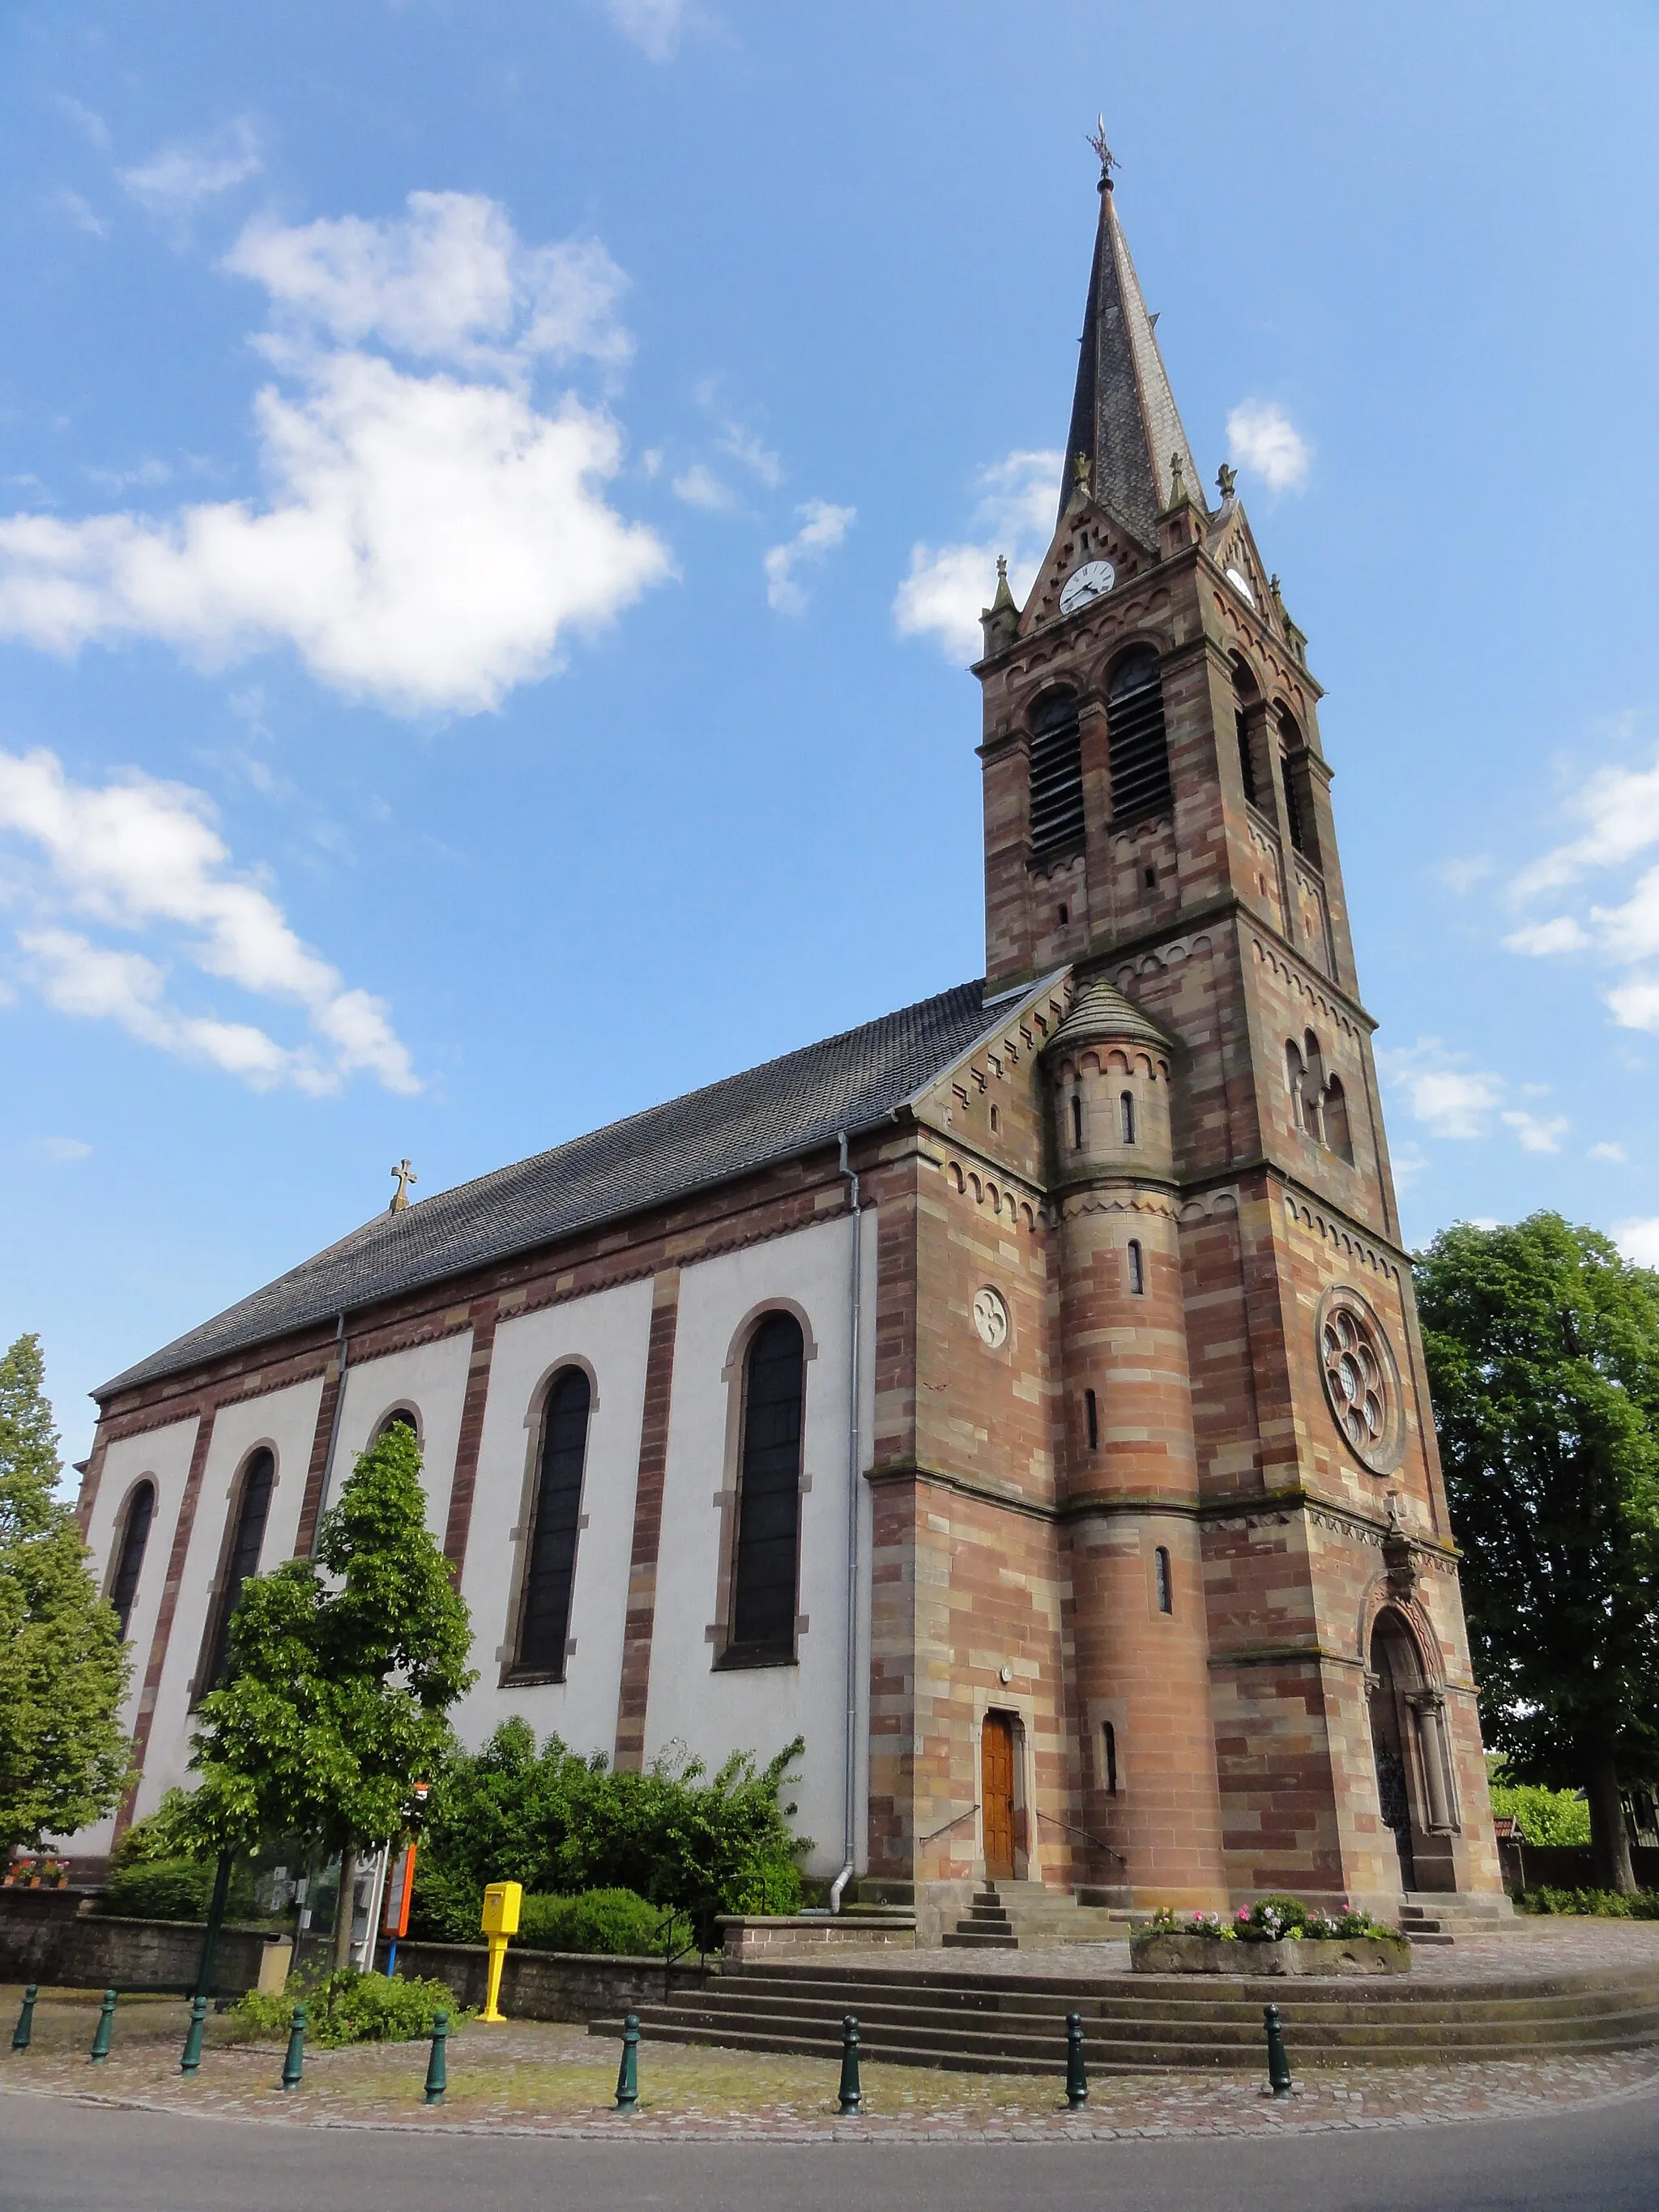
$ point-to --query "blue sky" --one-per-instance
(489, 496)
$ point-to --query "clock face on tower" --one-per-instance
(1088, 582)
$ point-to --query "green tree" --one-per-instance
(341, 1669)
(1542, 1346)
(64, 1760)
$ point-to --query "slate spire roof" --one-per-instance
(1124, 416)
(771, 1113)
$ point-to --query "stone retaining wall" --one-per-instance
(554, 1984)
(54, 1937)
(780, 1935)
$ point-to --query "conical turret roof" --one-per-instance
(1124, 416)
(1101, 1011)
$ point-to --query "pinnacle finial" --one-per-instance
(1227, 480)
(1109, 160)
(1179, 495)
(1081, 471)
(405, 1174)
(1004, 601)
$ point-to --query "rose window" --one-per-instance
(1361, 1382)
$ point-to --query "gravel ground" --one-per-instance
(545, 2078)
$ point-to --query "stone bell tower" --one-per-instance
(1266, 1627)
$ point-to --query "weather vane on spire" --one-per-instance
(1109, 160)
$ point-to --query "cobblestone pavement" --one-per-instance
(544, 2078)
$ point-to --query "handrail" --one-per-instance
(949, 1825)
(1099, 1842)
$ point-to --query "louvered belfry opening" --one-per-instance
(763, 1593)
(1056, 774)
(134, 1537)
(544, 1617)
(1138, 748)
(253, 1506)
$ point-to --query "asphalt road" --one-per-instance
(58, 2156)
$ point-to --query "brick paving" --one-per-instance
(554, 2079)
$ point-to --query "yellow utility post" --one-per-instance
(500, 1920)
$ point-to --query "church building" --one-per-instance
(1020, 1397)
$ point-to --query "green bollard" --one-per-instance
(25, 2028)
(1279, 2066)
(437, 2080)
(628, 2073)
(102, 2033)
(294, 2064)
(852, 2094)
(1076, 2080)
(192, 2055)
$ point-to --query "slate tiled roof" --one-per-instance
(769, 1113)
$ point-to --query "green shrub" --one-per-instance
(349, 2007)
(564, 1826)
(161, 1889)
(163, 1834)
(1545, 1816)
(1604, 1903)
(618, 1921)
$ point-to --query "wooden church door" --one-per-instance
(996, 1792)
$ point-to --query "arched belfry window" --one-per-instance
(399, 1417)
(1056, 774)
(1247, 717)
(1137, 747)
(766, 1560)
(129, 1562)
(1298, 795)
(251, 1509)
(556, 1519)
(1337, 1135)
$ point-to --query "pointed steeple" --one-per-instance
(1125, 424)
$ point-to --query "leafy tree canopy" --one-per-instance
(64, 1668)
(560, 1823)
(341, 1669)
(1542, 1346)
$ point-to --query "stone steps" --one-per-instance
(986, 1927)
(1144, 2024)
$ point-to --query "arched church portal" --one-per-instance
(1415, 1787)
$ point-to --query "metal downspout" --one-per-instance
(854, 1318)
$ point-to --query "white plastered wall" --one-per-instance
(285, 1421)
(609, 1334)
(430, 1380)
(714, 1712)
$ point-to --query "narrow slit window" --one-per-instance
(1056, 772)
(764, 1597)
(1126, 1116)
(135, 1536)
(1137, 1269)
(544, 1620)
(996, 1120)
(1077, 1121)
(1246, 758)
(1165, 1588)
(1137, 748)
(1065, 915)
(252, 1509)
(1091, 1418)
(1109, 1734)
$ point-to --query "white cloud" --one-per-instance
(1619, 808)
(1638, 1240)
(698, 486)
(948, 585)
(747, 449)
(80, 214)
(823, 528)
(1448, 1101)
(449, 281)
(1635, 1005)
(427, 540)
(1462, 875)
(174, 180)
(654, 26)
(1536, 1135)
(65, 1151)
(1538, 939)
(137, 855)
(1609, 1151)
(1261, 437)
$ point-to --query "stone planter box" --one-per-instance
(1156, 1952)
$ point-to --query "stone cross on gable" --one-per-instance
(405, 1176)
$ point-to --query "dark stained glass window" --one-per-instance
(140, 1512)
(253, 1506)
(768, 1493)
(544, 1623)
(1137, 747)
